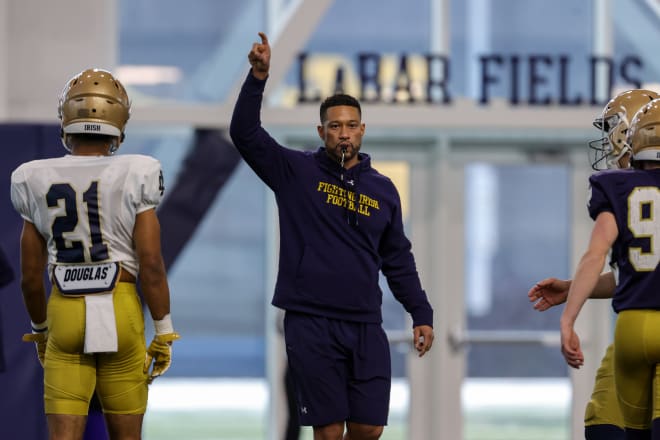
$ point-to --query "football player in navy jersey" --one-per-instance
(90, 222)
(625, 205)
(602, 418)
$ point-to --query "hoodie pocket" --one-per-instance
(341, 281)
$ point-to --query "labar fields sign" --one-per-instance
(531, 80)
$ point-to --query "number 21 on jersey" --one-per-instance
(75, 253)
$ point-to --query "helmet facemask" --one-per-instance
(608, 151)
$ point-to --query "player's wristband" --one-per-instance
(163, 326)
(41, 327)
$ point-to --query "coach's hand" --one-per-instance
(160, 353)
(423, 338)
(259, 57)
(40, 340)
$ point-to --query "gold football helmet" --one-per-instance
(94, 102)
(614, 122)
(644, 134)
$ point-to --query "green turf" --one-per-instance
(203, 425)
(500, 424)
(517, 424)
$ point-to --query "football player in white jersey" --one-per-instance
(603, 419)
(90, 222)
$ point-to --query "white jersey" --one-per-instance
(85, 206)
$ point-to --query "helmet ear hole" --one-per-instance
(644, 133)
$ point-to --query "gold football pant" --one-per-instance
(636, 356)
(71, 376)
(603, 407)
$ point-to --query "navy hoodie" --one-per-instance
(338, 227)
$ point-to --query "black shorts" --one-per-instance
(341, 369)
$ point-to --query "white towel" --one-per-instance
(100, 325)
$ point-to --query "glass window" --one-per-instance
(191, 51)
(525, 52)
(217, 279)
(635, 31)
(349, 46)
(517, 232)
(510, 41)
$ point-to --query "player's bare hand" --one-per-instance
(259, 57)
(570, 348)
(423, 338)
(548, 293)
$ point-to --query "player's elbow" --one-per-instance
(152, 268)
(243, 134)
(235, 130)
(593, 259)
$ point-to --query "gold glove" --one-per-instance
(160, 352)
(40, 340)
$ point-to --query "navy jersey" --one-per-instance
(633, 196)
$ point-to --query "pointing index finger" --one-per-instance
(264, 38)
